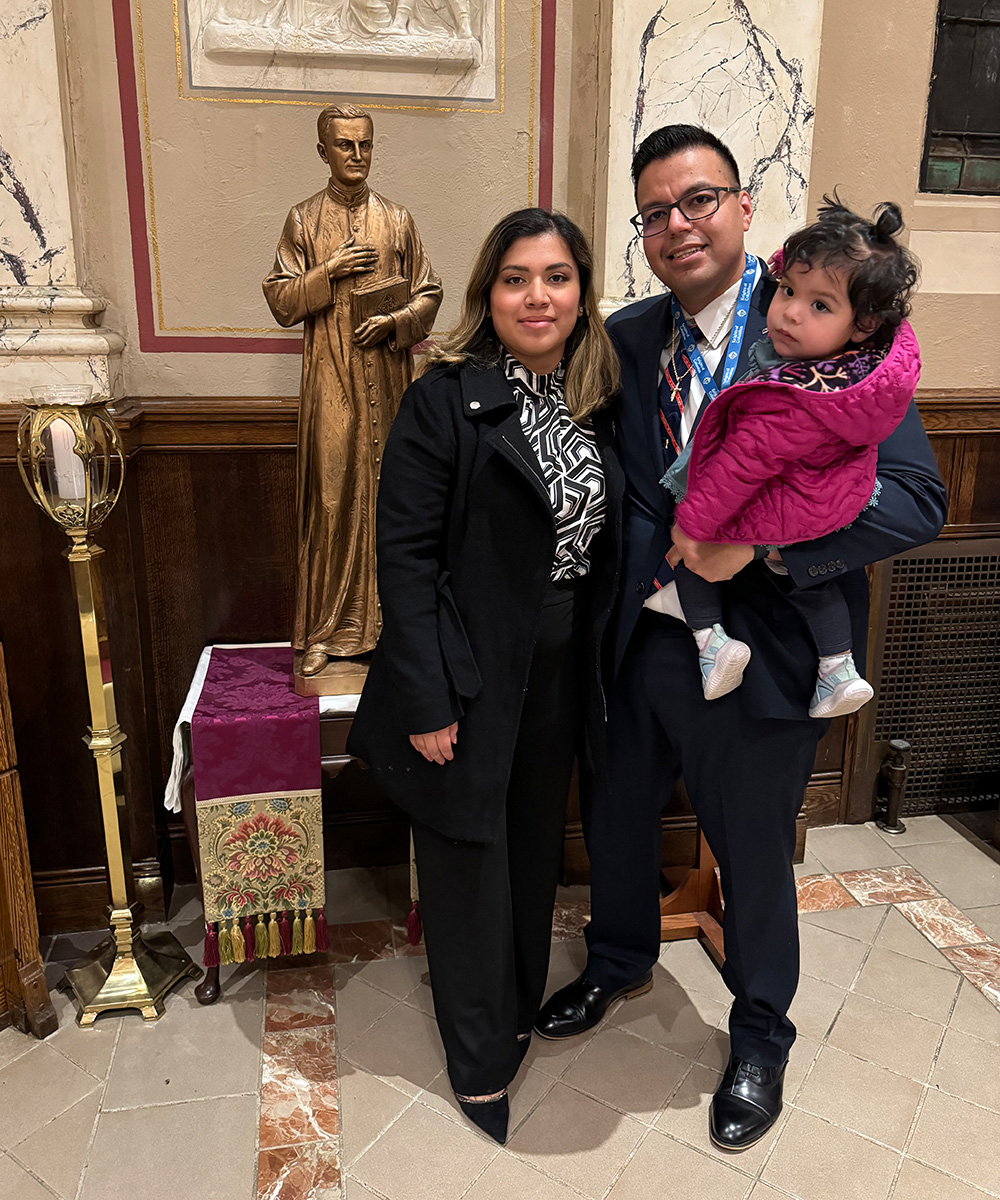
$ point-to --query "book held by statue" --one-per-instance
(378, 299)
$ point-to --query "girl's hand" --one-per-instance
(437, 746)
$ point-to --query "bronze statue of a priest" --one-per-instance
(351, 266)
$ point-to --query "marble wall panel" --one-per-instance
(434, 49)
(36, 233)
(745, 69)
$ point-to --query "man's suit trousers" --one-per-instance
(746, 777)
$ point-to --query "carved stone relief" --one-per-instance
(430, 48)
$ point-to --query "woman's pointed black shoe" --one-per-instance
(491, 1116)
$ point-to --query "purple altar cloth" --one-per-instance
(251, 735)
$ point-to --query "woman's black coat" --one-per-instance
(465, 544)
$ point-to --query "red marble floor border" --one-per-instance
(946, 927)
(299, 1154)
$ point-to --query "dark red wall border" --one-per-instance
(546, 102)
(152, 342)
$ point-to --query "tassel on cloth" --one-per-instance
(414, 926)
(239, 946)
(297, 935)
(211, 956)
(249, 941)
(322, 933)
(260, 937)
(225, 946)
(285, 928)
(273, 942)
(309, 934)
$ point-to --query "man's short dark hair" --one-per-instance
(671, 139)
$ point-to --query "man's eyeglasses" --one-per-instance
(693, 207)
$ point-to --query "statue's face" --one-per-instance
(347, 148)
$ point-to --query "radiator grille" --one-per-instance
(940, 679)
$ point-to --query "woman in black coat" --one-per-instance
(496, 547)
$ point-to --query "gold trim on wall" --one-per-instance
(148, 157)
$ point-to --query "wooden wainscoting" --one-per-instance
(200, 549)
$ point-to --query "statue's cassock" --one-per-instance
(349, 398)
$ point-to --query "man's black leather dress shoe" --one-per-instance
(581, 1005)
(746, 1105)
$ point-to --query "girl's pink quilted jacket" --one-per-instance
(773, 464)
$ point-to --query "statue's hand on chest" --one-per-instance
(352, 259)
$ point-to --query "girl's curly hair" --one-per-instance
(881, 274)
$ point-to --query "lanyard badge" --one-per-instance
(698, 365)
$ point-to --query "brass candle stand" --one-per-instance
(71, 461)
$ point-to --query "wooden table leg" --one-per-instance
(694, 908)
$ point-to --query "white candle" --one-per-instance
(70, 479)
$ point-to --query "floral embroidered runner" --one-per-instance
(256, 757)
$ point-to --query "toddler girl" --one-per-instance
(788, 454)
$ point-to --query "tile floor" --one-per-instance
(325, 1081)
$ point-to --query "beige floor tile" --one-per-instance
(424, 1156)
(850, 848)
(203, 1148)
(421, 998)
(830, 956)
(576, 1140)
(969, 1068)
(355, 1190)
(859, 923)
(918, 831)
(57, 1152)
(715, 1052)
(958, 869)
(17, 1184)
(36, 1088)
(902, 937)
(626, 1073)
(663, 1167)
(368, 1106)
(764, 1191)
(974, 1014)
(190, 1053)
(567, 960)
(690, 967)
(800, 1062)
(358, 1007)
(987, 918)
(886, 1036)
(860, 1096)
(394, 976)
(815, 1006)
(810, 865)
(671, 1017)
(14, 1043)
(92, 1049)
(919, 988)
(817, 1161)
(403, 1047)
(917, 1182)
(686, 1118)
(958, 1138)
(507, 1178)
(553, 1057)
(357, 894)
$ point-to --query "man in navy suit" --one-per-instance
(747, 756)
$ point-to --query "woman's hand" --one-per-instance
(437, 746)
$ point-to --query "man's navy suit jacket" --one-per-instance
(910, 511)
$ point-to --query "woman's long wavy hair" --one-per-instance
(591, 363)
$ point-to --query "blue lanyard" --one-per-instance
(698, 366)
